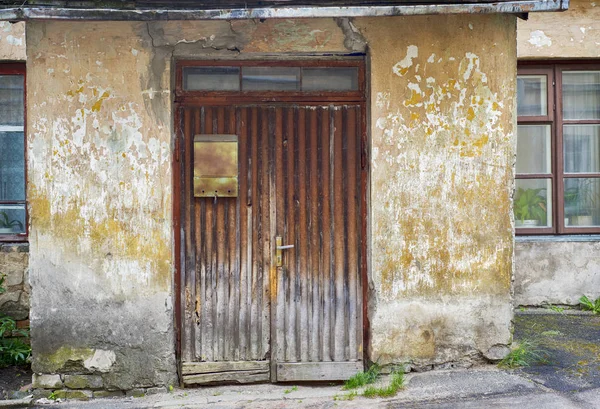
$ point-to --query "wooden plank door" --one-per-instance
(246, 319)
(225, 333)
(317, 319)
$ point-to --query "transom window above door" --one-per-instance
(272, 80)
(558, 149)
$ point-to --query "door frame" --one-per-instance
(184, 98)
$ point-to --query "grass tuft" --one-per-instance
(524, 353)
(363, 378)
(396, 383)
(589, 305)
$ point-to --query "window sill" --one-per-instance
(563, 238)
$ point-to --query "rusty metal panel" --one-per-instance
(215, 166)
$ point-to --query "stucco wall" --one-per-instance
(574, 33)
(99, 134)
(12, 41)
(443, 145)
(99, 140)
(550, 272)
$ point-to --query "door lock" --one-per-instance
(278, 247)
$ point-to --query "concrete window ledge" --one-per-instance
(568, 238)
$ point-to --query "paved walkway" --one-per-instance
(571, 379)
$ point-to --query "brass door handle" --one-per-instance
(278, 247)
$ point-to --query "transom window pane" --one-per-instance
(271, 78)
(581, 148)
(532, 95)
(274, 78)
(581, 94)
(533, 149)
(330, 79)
(531, 206)
(12, 219)
(11, 100)
(211, 78)
(582, 202)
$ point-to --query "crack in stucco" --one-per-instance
(353, 38)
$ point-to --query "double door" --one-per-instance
(271, 279)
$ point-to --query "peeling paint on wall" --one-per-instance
(539, 39)
(441, 185)
(574, 33)
(12, 41)
(99, 168)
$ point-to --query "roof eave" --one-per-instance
(61, 13)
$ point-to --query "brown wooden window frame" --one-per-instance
(555, 119)
(19, 69)
(219, 97)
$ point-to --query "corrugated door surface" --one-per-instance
(245, 317)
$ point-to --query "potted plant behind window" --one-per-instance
(7, 226)
(581, 204)
(530, 208)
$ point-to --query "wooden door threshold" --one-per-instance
(198, 373)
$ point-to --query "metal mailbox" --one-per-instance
(216, 166)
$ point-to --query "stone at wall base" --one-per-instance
(108, 394)
(71, 394)
(47, 381)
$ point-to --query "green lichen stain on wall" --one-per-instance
(65, 358)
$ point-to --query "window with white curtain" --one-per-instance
(558, 149)
(13, 205)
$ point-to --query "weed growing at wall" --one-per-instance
(13, 350)
(368, 379)
(589, 305)
(524, 353)
(396, 383)
(363, 378)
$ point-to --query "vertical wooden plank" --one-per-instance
(186, 336)
(338, 228)
(232, 332)
(326, 211)
(293, 289)
(330, 339)
(315, 250)
(222, 256)
(256, 294)
(352, 247)
(278, 341)
(242, 245)
(211, 252)
(301, 229)
(269, 204)
(313, 347)
(324, 244)
(363, 169)
(195, 231)
(265, 231)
